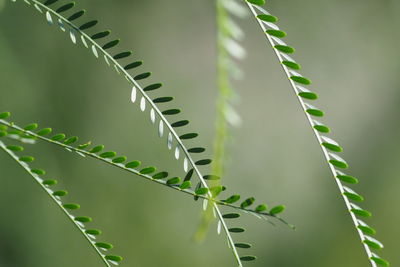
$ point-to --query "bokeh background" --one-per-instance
(348, 48)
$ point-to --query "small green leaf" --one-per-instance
(38, 171)
(267, 18)
(27, 159)
(100, 35)
(142, 76)
(50, 182)
(380, 261)
(5, 115)
(308, 95)
(185, 185)
(203, 162)
(122, 55)
(97, 149)
(133, 164)
(339, 163)
(83, 146)
(71, 206)
(3, 133)
(133, 65)
(119, 159)
(71, 140)
(15, 148)
(236, 230)
(285, 49)
(173, 181)
(242, 245)
(88, 25)
(373, 244)
(354, 196)
(322, 128)
(248, 202)
(361, 212)
(276, 33)
(180, 123)
(231, 216)
(211, 177)
(49, 2)
(261, 208)
(277, 209)
(256, 2)
(188, 136)
(31, 127)
(171, 112)
(152, 87)
(104, 245)
(163, 99)
(58, 137)
(109, 154)
(315, 112)
(189, 175)
(332, 147)
(291, 64)
(248, 258)
(93, 232)
(232, 199)
(348, 179)
(201, 191)
(160, 175)
(111, 44)
(83, 219)
(300, 79)
(76, 15)
(113, 258)
(215, 190)
(147, 170)
(367, 229)
(65, 7)
(60, 193)
(196, 150)
(44, 131)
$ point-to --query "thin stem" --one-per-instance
(70, 217)
(173, 132)
(317, 135)
(136, 172)
(221, 133)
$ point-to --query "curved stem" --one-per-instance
(317, 135)
(136, 172)
(176, 136)
(71, 218)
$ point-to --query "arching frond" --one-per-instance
(330, 147)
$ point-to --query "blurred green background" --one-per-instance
(348, 48)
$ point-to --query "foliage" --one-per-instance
(196, 184)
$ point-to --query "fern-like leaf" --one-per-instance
(329, 147)
(149, 173)
(56, 196)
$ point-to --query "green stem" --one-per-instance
(70, 217)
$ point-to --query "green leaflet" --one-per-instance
(111, 44)
(256, 2)
(44, 131)
(380, 261)
(335, 161)
(291, 64)
(56, 196)
(277, 210)
(5, 115)
(267, 18)
(201, 191)
(174, 180)
(276, 33)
